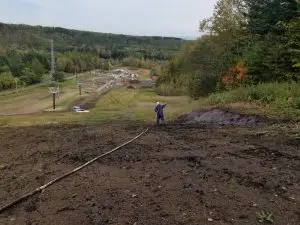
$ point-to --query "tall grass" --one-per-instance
(279, 98)
(170, 90)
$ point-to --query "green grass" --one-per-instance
(265, 217)
(30, 98)
(278, 100)
(135, 105)
(22, 92)
(272, 99)
(118, 104)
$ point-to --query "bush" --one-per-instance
(29, 77)
(107, 65)
(59, 76)
(285, 94)
(7, 81)
(202, 85)
(169, 90)
(4, 69)
(259, 94)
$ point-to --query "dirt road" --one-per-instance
(189, 174)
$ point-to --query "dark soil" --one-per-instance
(221, 116)
(189, 174)
(88, 102)
(130, 87)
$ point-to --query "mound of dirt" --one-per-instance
(220, 116)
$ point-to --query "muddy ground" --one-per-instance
(223, 116)
(181, 174)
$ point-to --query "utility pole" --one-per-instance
(54, 90)
(53, 97)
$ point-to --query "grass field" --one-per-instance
(33, 106)
(118, 104)
(30, 106)
(137, 105)
(39, 99)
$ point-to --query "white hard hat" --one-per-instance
(157, 103)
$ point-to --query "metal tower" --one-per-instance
(55, 90)
(52, 59)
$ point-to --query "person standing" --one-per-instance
(159, 109)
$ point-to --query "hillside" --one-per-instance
(26, 37)
(25, 52)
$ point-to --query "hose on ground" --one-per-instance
(42, 188)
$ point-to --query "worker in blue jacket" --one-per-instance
(159, 109)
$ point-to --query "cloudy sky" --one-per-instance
(137, 17)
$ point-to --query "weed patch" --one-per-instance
(265, 217)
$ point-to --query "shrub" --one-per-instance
(7, 81)
(202, 85)
(169, 90)
(261, 94)
(29, 77)
(107, 65)
(59, 76)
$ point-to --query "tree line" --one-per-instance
(116, 46)
(26, 68)
(245, 42)
(25, 52)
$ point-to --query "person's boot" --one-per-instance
(158, 123)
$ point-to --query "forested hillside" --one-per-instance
(25, 37)
(246, 42)
(25, 51)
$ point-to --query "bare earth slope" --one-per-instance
(181, 174)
